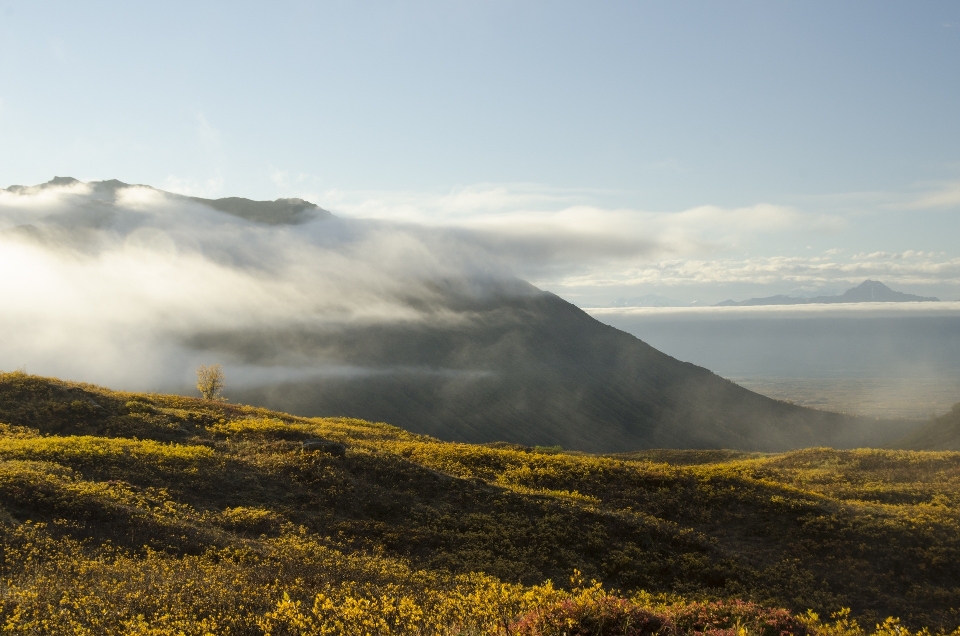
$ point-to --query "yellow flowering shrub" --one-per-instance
(126, 513)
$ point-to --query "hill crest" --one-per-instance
(284, 211)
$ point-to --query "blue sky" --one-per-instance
(701, 150)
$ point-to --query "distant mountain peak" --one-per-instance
(869, 291)
(873, 288)
(875, 291)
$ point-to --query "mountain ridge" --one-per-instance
(283, 211)
(869, 291)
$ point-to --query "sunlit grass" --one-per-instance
(150, 514)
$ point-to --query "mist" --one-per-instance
(123, 285)
(877, 359)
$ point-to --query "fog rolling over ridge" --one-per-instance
(423, 328)
(110, 282)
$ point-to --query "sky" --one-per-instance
(697, 150)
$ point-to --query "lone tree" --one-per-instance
(210, 381)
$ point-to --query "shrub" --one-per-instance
(592, 613)
(723, 618)
(210, 381)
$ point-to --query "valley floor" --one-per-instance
(910, 397)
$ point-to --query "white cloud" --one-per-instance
(839, 309)
(926, 195)
(544, 230)
(942, 195)
(209, 136)
(280, 178)
(905, 268)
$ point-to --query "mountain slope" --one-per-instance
(869, 291)
(941, 434)
(530, 368)
(114, 505)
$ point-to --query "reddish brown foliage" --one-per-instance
(592, 616)
(721, 618)
(612, 616)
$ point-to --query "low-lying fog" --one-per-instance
(892, 359)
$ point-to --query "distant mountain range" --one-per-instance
(869, 291)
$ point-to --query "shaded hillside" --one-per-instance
(211, 514)
(941, 433)
(526, 366)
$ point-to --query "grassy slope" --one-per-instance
(822, 529)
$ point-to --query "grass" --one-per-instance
(134, 514)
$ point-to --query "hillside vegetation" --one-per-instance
(157, 514)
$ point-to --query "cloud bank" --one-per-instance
(108, 282)
(533, 213)
(839, 310)
(902, 268)
(563, 240)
